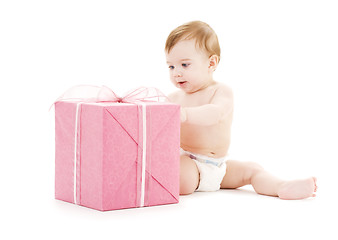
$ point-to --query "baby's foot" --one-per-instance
(298, 189)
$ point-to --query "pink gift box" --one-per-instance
(117, 155)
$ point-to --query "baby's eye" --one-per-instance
(185, 65)
(171, 67)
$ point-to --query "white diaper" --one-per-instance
(212, 171)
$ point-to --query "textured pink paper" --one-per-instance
(109, 146)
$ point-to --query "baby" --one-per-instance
(193, 53)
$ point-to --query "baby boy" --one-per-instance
(193, 53)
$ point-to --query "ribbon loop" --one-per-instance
(105, 94)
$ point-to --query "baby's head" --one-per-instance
(192, 52)
(204, 36)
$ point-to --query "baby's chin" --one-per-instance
(190, 88)
(184, 87)
(189, 91)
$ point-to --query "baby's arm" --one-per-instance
(210, 114)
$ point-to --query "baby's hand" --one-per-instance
(183, 115)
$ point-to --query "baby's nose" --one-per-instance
(177, 73)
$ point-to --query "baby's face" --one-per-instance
(189, 67)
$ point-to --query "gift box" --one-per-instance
(113, 155)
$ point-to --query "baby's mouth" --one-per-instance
(181, 83)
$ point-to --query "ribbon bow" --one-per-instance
(89, 93)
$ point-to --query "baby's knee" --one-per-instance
(254, 169)
(251, 169)
(189, 176)
(187, 187)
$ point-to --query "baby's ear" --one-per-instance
(213, 62)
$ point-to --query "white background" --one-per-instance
(280, 58)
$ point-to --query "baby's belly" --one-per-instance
(212, 141)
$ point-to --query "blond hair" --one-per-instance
(205, 37)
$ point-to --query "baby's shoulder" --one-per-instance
(223, 89)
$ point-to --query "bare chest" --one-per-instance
(196, 99)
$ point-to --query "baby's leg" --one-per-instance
(243, 173)
(189, 175)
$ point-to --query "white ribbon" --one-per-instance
(75, 150)
(144, 152)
